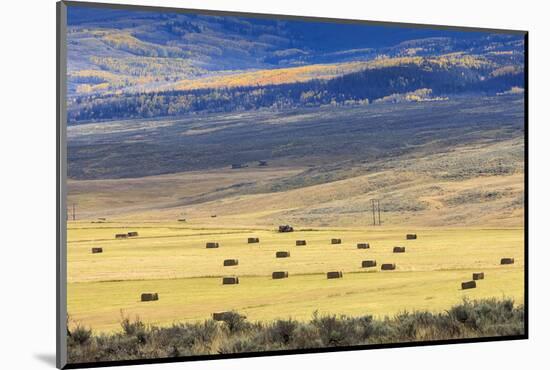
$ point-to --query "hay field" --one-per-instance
(171, 259)
(452, 172)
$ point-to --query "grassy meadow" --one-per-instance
(171, 259)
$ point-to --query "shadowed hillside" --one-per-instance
(358, 135)
(131, 50)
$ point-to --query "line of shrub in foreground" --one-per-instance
(470, 319)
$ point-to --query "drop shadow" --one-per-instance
(47, 358)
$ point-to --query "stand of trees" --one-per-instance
(354, 88)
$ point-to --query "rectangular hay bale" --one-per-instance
(388, 266)
(368, 263)
(398, 249)
(229, 280)
(147, 297)
(132, 233)
(469, 284)
(212, 245)
(363, 245)
(282, 254)
(300, 242)
(97, 250)
(411, 236)
(506, 261)
(121, 236)
(231, 262)
(221, 316)
(279, 275)
(334, 275)
(336, 241)
(478, 276)
(253, 240)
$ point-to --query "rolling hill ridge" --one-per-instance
(141, 64)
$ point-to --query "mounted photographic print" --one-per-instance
(234, 184)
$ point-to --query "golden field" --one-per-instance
(171, 259)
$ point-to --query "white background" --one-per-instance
(27, 183)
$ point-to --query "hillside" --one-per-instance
(436, 168)
(139, 64)
(360, 134)
(128, 42)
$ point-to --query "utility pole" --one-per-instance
(379, 222)
(373, 213)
